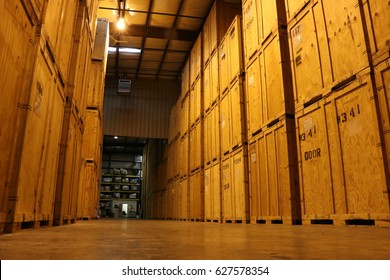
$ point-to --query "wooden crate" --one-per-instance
(328, 45)
(95, 87)
(185, 79)
(16, 37)
(211, 144)
(196, 148)
(233, 125)
(341, 164)
(382, 78)
(231, 63)
(93, 135)
(35, 9)
(211, 83)
(184, 199)
(173, 125)
(223, 66)
(276, 95)
(234, 187)
(196, 60)
(88, 197)
(273, 170)
(40, 150)
(271, 15)
(212, 192)
(377, 16)
(183, 160)
(250, 29)
(100, 47)
(59, 24)
(195, 103)
(254, 110)
(217, 23)
(196, 197)
(184, 115)
(65, 208)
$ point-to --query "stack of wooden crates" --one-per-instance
(286, 119)
(46, 56)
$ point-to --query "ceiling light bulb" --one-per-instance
(121, 24)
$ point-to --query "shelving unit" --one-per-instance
(121, 184)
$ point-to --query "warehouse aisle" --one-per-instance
(119, 239)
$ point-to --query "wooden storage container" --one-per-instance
(173, 160)
(93, 135)
(212, 192)
(185, 79)
(250, 28)
(59, 24)
(184, 198)
(95, 87)
(328, 45)
(234, 187)
(377, 15)
(92, 8)
(341, 164)
(233, 125)
(231, 63)
(269, 93)
(382, 78)
(40, 149)
(217, 23)
(294, 7)
(196, 148)
(88, 197)
(271, 16)
(211, 137)
(196, 103)
(184, 115)
(196, 197)
(273, 170)
(196, 60)
(183, 160)
(211, 83)
(173, 126)
(17, 33)
(67, 187)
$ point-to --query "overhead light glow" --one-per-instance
(120, 24)
(115, 137)
(124, 50)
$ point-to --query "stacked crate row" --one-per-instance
(274, 191)
(340, 128)
(44, 108)
(198, 120)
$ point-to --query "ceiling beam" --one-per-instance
(157, 32)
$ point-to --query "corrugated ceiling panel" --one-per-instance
(144, 113)
(154, 43)
(180, 45)
(166, 6)
(162, 21)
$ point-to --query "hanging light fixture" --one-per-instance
(121, 13)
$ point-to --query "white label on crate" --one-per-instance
(296, 35)
(253, 157)
(307, 124)
(251, 80)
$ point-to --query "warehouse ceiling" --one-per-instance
(161, 32)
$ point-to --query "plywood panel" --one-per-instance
(227, 205)
(195, 102)
(235, 55)
(250, 26)
(207, 138)
(95, 87)
(196, 60)
(196, 194)
(184, 198)
(212, 195)
(215, 133)
(225, 131)
(207, 84)
(237, 121)
(253, 99)
(15, 85)
(196, 144)
(185, 78)
(223, 51)
(240, 185)
(93, 136)
(214, 77)
(184, 157)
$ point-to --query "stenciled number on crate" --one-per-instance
(308, 134)
(346, 116)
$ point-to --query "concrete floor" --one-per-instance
(125, 239)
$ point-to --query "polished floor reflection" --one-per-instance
(124, 239)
